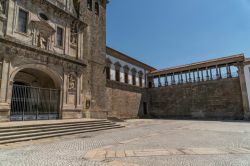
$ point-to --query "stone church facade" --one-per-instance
(59, 47)
(54, 64)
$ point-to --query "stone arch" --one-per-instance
(126, 68)
(117, 65)
(57, 79)
(140, 73)
(134, 71)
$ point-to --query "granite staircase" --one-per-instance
(20, 133)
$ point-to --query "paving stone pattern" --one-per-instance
(142, 142)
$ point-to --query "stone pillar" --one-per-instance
(4, 105)
(198, 75)
(211, 74)
(194, 77)
(159, 81)
(189, 74)
(178, 75)
(181, 78)
(186, 77)
(202, 76)
(173, 80)
(220, 72)
(244, 91)
(166, 80)
(207, 75)
(217, 73)
(65, 80)
(229, 74)
(79, 105)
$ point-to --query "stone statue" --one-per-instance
(72, 82)
(41, 41)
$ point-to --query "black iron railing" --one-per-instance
(33, 103)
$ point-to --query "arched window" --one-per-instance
(126, 71)
(97, 8)
(117, 71)
(133, 76)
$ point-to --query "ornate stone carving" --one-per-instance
(41, 42)
(74, 32)
(72, 82)
(36, 57)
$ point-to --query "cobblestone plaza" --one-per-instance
(141, 142)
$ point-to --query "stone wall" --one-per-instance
(123, 100)
(220, 99)
(94, 44)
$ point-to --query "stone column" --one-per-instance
(194, 77)
(178, 75)
(202, 76)
(4, 105)
(220, 72)
(181, 78)
(229, 75)
(65, 80)
(189, 75)
(198, 75)
(243, 91)
(207, 75)
(78, 93)
(173, 80)
(186, 77)
(217, 73)
(159, 81)
(166, 80)
(211, 74)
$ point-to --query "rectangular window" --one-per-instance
(108, 73)
(59, 36)
(134, 80)
(96, 8)
(22, 21)
(89, 4)
(126, 78)
(117, 75)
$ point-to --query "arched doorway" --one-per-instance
(35, 96)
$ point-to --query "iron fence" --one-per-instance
(33, 103)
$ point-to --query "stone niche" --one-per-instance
(72, 89)
(43, 32)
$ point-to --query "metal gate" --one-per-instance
(33, 103)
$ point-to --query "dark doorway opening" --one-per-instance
(145, 108)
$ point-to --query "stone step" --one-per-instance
(52, 128)
(39, 133)
(53, 124)
(60, 125)
(58, 134)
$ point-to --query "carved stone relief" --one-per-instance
(74, 33)
(72, 83)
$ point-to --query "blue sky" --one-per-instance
(165, 33)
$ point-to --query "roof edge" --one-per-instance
(112, 52)
(206, 63)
